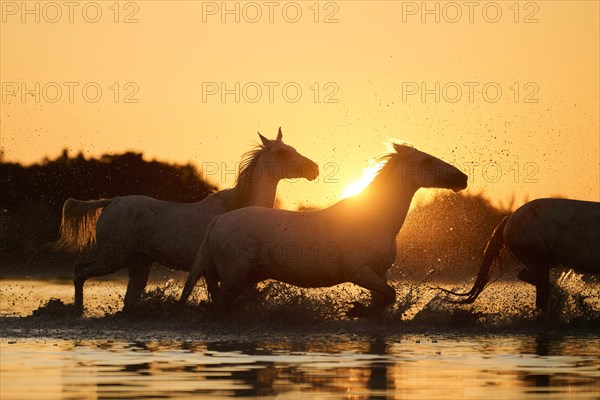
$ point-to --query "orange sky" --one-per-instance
(371, 57)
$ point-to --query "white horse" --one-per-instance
(134, 231)
(352, 241)
(543, 234)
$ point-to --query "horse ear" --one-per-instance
(263, 139)
(402, 148)
(279, 135)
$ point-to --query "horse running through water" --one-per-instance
(352, 241)
(543, 234)
(134, 231)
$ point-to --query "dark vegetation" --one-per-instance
(443, 239)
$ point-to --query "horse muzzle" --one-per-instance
(461, 183)
(310, 171)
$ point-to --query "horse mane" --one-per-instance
(388, 161)
(245, 177)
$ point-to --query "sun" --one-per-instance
(356, 187)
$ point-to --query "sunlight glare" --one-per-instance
(356, 187)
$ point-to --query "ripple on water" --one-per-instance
(406, 366)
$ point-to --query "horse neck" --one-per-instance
(257, 189)
(388, 205)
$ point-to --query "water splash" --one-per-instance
(573, 300)
(504, 305)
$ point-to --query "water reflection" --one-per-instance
(319, 367)
(379, 383)
(542, 347)
(546, 374)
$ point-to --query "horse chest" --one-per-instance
(378, 254)
(385, 257)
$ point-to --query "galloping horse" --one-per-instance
(134, 231)
(543, 234)
(352, 241)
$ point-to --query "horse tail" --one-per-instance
(491, 252)
(202, 264)
(78, 224)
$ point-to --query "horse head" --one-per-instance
(426, 171)
(282, 161)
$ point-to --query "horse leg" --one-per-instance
(538, 276)
(228, 293)
(78, 281)
(378, 300)
(85, 271)
(526, 276)
(212, 285)
(232, 287)
(382, 294)
(138, 278)
(542, 292)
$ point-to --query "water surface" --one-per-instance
(407, 367)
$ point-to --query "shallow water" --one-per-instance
(407, 367)
(290, 344)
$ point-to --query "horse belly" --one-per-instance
(578, 249)
(304, 275)
(586, 260)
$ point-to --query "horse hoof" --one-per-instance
(358, 310)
